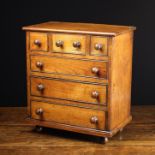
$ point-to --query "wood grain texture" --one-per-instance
(71, 77)
(68, 41)
(43, 40)
(17, 137)
(28, 70)
(99, 40)
(68, 115)
(83, 28)
(63, 72)
(70, 55)
(70, 103)
(69, 67)
(69, 90)
(120, 73)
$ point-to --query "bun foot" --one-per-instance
(103, 140)
(121, 134)
(38, 128)
(121, 130)
(106, 140)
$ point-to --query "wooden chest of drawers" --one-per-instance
(79, 76)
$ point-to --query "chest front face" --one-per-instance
(74, 77)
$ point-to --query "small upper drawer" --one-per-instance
(66, 43)
(99, 46)
(68, 66)
(38, 41)
(68, 115)
(69, 90)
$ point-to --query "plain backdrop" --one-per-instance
(18, 13)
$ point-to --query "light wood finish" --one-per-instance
(68, 115)
(67, 41)
(80, 66)
(96, 40)
(19, 138)
(88, 56)
(28, 71)
(69, 103)
(64, 66)
(71, 77)
(120, 84)
(41, 38)
(68, 90)
(83, 28)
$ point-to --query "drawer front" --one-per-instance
(68, 115)
(38, 41)
(63, 89)
(99, 45)
(69, 66)
(64, 43)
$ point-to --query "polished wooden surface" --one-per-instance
(58, 65)
(18, 137)
(70, 103)
(68, 41)
(28, 66)
(84, 28)
(68, 90)
(55, 71)
(95, 42)
(120, 73)
(68, 115)
(41, 38)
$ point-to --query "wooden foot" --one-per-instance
(38, 128)
(103, 140)
(106, 140)
(121, 134)
(121, 130)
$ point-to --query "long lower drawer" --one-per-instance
(68, 115)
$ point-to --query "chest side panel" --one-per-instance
(120, 80)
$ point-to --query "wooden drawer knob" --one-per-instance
(94, 120)
(95, 94)
(40, 87)
(95, 70)
(98, 46)
(76, 44)
(39, 111)
(39, 64)
(37, 42)
(59, 43)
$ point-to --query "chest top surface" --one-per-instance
(83, 28)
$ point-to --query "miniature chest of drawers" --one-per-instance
(79, 76)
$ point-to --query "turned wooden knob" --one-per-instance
(76, 44)
(94, 120)
(39, 111)
(95, 70)
(37, 42)
(95, 94)
(98, 46)
(59, 43)
(40, 87)
(39, 64)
